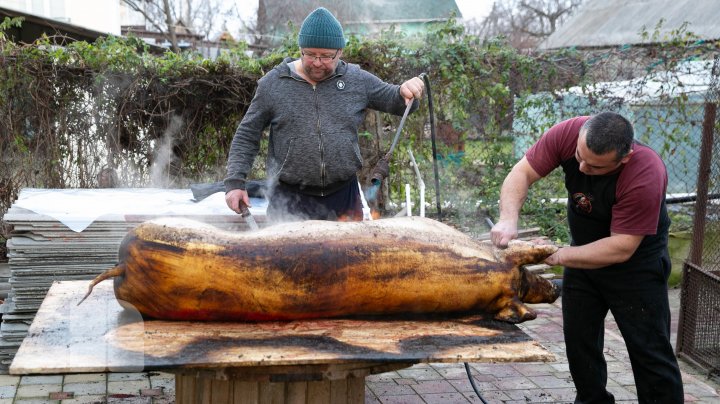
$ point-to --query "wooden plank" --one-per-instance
(356, 389)
(206, 391)
(296, 393)
(271, 393)
(221, 392)
(319, 393)
(100, 336)
(246, 392)
(338, 391)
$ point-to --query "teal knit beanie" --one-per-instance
(321, 30)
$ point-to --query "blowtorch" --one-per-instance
(382, 168)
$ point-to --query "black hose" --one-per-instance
(431, 109)
(472, 383)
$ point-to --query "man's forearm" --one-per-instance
(611, 250)
(512, 196)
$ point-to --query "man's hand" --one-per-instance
(412, 89)
(233, 198)
(503, 232)
(556, 258)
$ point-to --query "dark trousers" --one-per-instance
(638, 300)
(287, 204)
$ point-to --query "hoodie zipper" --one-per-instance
(321, 145)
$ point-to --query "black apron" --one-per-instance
(589, 209)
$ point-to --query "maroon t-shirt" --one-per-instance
(640, 186)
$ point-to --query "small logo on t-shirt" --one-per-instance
(583, 202)
(340, 85)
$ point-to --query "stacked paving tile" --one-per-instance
(42, 249)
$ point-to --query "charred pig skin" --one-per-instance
(177, 269)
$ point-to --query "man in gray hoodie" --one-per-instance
(313, 106)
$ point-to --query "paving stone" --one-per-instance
(551, 382)
(434, 387)
(621, 393)
(564, 394)
(701, 390)
(152, 392)
(420, 373)
(86, 389)
(61, 395)
(164, 380)
(533, 369)
(45, 379)
(491, 396)
(622, 378)
(371, 399)
(689, 398)
(132, 387)
(496, 370)
(96, 399)
(120, 377)
(531, 395)
(383, 377)
(164, 400)
(7, 392)
(406, 381)
(8, 380)
(444, 398)
(515, 383)
(390, 389)
(405, 399)
(463, 385)
(129, 400)
(35, 401)
(561, 367)
(36, 390)
(6, 400)
(85, 378)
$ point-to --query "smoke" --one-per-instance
(372, 192)
(163, 155)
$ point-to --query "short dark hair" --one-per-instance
(608, 131)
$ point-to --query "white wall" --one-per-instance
(97, 15)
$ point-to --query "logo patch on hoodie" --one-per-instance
(340, 85)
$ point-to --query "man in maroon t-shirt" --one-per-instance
(617, 260)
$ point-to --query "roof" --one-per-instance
(607, 23)
(690, 78)
(33, 27)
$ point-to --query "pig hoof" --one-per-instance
(516, 313)
(558, 284)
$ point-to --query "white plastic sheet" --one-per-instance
(78, 208)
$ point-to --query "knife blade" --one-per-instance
(245, 214)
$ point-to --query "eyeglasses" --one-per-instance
(322, 59)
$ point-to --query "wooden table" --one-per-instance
(321, 361)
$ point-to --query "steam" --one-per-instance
(163, 155)
(372, 192)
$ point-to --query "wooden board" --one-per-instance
(99, 335)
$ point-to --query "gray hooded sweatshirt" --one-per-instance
(313, 143)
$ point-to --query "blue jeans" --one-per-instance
(637, 297)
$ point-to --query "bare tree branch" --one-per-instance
(525, 23)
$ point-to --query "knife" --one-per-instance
(245, 214)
